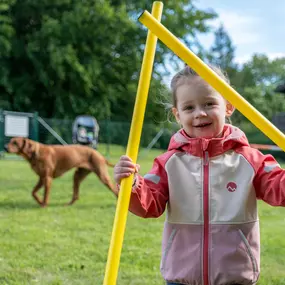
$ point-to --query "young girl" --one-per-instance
(210, 180)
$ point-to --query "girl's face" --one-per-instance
(200, 109)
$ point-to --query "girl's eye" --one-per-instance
(189, 108)
(209, 104)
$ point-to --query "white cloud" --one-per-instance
(275, 55)
(241, 28)
(243, 59)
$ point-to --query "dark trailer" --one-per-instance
(280, 88)
(85, 131)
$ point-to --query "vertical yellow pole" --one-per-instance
(132, 151)
(213, 79)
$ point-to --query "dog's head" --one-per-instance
(21, 146)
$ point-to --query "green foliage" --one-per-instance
(257, 80)
(68, 57)
(64, 57)
(6, 36)
(72, 55)
(222, 52)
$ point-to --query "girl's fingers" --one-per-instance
(122, 170)
(125, 175)
(124, 166)
(125, 158)
(137, 168)
(119, 177)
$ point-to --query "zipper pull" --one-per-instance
(206, 158)
(205, 144)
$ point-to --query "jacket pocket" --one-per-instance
(168, 246)
(249, 252)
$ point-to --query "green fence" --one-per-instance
(59, 131)
(110, 132)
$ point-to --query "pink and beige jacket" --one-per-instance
(210, 188)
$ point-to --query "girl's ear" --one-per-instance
(176, 114)
(229, 109)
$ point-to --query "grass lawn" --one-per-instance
(69, 245)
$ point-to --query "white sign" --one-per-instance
(16, 126)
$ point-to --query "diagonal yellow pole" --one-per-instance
(213, 79)
(132, 151)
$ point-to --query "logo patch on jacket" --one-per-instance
(232, 187)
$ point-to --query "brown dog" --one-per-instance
(51, 161)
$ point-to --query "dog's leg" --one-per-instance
(78, 177)
(36, 189)
(105, 178)
(47, 184)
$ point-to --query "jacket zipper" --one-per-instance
(206, 218)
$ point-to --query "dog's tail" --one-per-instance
(109, 163)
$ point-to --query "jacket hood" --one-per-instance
(232, 138)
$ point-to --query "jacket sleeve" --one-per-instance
(269, 181)
(150, 193)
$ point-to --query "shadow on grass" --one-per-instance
(10, 205)
(25, 205)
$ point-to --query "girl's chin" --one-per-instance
(205, 134)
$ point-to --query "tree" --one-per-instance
(265, 71)
(6, 35)
(222, 53)
(182, 18)
(68, 57)
(258, 79)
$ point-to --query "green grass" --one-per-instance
(69, 245)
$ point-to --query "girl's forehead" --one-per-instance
(195, 87)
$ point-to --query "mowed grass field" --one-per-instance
(62, 245)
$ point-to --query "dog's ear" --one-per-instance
(15, 143)
(22, 145)
(27, 148)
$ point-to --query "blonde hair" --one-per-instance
(187, 73)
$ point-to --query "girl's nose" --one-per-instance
(200, 112)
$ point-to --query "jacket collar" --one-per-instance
(232, 138)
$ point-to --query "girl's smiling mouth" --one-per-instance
(202, 125)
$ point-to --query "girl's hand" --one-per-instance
(124, 168)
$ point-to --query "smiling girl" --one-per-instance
(209, 180)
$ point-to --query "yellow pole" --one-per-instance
(213, 79)
(132, 151)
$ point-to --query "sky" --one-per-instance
(255, 26)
